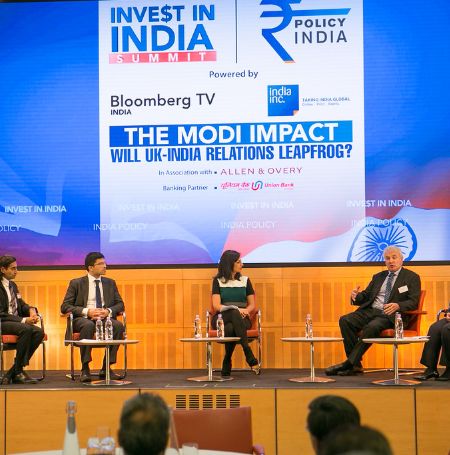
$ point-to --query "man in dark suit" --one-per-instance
(439, 333)
(395, 290)
(90, 298)
(17, 318)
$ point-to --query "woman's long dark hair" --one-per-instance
(226, 265)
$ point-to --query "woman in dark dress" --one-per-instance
(234, 298)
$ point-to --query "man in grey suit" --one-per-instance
(90, 298)
(395, 290)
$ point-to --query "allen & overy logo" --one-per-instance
(161, 34)
(286, 14)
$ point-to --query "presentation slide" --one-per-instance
(164, 132)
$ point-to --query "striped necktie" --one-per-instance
(388, 291)
(13, 302)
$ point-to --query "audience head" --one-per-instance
(355, 440)
(227, 263)
(328, 412)
(144, 425)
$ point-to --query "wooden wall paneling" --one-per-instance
(388, 410)
(262, 403)
(168, 298)
(45, 418)
(197, 300)
(432, 421)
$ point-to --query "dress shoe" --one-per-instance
(28, 377)
(7, 377)
(334, 369)
(256, 369)
(85, 376)
(427, 374)
(350, 372)
(20, 378)
(112, 375)
(445, 376)
(6, 380)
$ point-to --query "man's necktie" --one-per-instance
(13, 304)
(387, 293)
(98, 295)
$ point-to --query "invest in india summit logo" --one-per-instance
(162, 34)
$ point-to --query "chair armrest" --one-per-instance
(124, 322)
(415, 312)
(69, 330)
(41, 320)
(258, 449)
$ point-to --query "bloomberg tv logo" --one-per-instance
(282, 100)
(286, 14)
(162, 34)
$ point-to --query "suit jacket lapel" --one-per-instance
(106, 292)
(379, 283)
(84, 289)
(397, 282)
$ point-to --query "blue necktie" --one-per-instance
(387, 293)
(98, 295)
(13, 303)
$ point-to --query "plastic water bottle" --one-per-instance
(108, 329)
(99, 330)
(207, 323)
(308, 326)
(71, 446)
(220, 327)
(197, 327)
(398, 326)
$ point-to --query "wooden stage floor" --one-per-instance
(414, 418)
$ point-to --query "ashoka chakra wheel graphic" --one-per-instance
(373, 238)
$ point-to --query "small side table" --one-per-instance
(209, 341)
(106, 344)
(311, 341)
(395, 343)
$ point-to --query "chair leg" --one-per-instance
(123, 375)
(72, 366)
(125, 369)
(259, 351)
(44, 365)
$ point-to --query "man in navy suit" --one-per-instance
(17, 318)
(90, 298)
(395, 290)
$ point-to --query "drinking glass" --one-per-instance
(189, 448)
